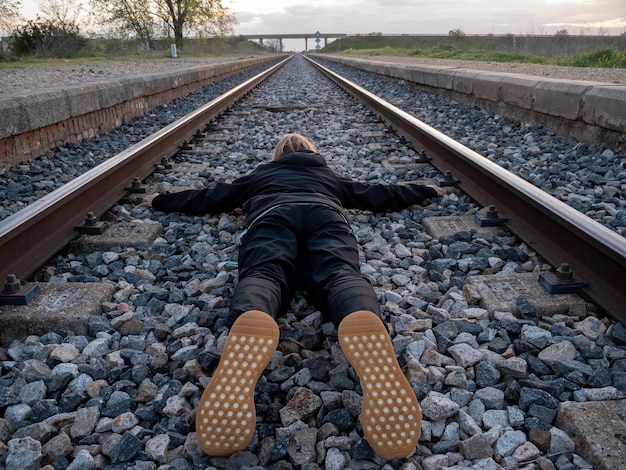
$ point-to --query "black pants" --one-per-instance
(301, 245)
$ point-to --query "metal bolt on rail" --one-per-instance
(562, 281)
(422, 157)
(11, 285)
(137, 187)
(185, 146)
(447, 180)
(489, 217)
(91, 225)
(13, 293)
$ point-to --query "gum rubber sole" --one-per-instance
(390, 414)
(226, 417)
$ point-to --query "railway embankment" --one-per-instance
(517, 386)
(35, 121)
(587, 110)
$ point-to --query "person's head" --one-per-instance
(290, 143)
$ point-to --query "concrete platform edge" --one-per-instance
(569, 107)
(33, 122)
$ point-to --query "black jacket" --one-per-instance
(301, 177)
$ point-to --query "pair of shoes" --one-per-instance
(226, 416)
(390, 413)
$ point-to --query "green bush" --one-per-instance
(47, 39)
(606, 58)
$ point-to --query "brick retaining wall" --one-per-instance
(35, 122)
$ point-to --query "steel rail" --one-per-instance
(33, 235)
(553, 229)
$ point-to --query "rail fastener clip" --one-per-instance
(562, 281)
(185, 147)
(489, 217)
(13, 293)
(447, 180)
(136, 187)
(422, 157)
(91, 225)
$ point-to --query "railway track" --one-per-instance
(549, 228)
(560, 234)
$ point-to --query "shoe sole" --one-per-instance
(390, 414)
(226, 416)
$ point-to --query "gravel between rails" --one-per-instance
(123, 396)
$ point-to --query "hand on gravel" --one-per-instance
(147, 201)
(440, 191)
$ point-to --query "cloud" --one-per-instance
(438, 17)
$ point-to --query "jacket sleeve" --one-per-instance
(383, 197)
(223, 197)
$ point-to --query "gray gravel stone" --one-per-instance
(508, 442)
(84, 422)
(476, 447)
(24, 454)
(491, 397)
(437, 406)
(465, 355)
(83, 461)
(560, 442)
(334, 460)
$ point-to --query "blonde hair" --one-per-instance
(290, 143)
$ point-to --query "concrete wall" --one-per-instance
(591, 112)
(34, 122)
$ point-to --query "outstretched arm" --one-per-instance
(222, 197)
(440, 191)
(385, 197)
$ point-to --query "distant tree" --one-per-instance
(47, 38)
(143, 17)
(9, 14)
(457, 33)
(562, 32)
(130, 17)
(204, 17)
(62, 11)
(273, 45)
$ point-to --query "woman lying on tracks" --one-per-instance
(298, 236)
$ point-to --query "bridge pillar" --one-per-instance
(306, 44)
(280, 40)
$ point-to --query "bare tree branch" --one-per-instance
(9, 14)
(179, 17)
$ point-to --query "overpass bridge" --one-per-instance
(317, 36)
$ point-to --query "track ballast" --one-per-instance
(139, 387)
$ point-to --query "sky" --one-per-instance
(420, 16)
